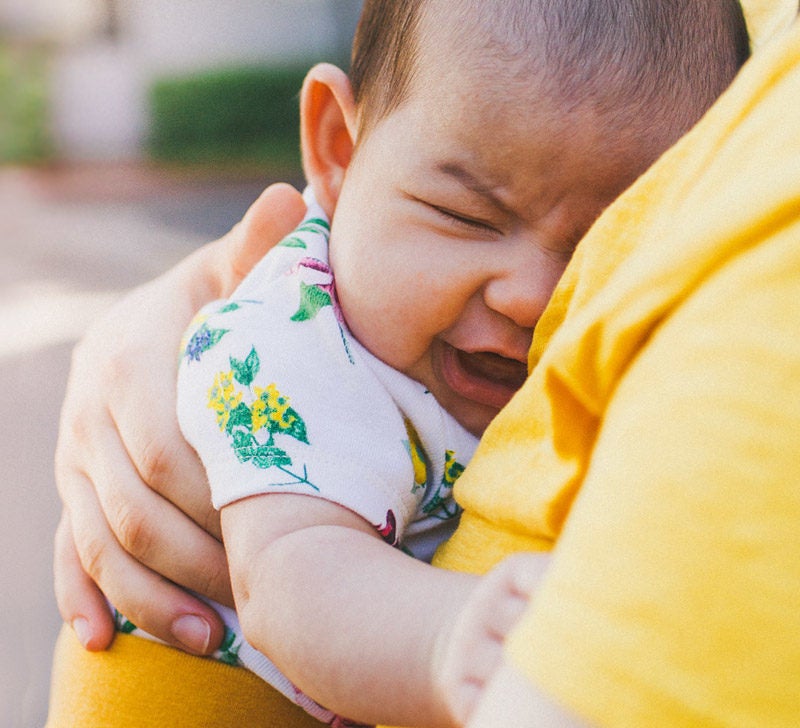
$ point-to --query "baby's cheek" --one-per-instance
(393, 334)
(392, 304)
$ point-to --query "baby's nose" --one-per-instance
(520, 295)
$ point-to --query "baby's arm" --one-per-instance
(356, 624)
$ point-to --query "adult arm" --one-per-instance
(137, 518)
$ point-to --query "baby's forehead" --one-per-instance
(639, 72)
(505, 51)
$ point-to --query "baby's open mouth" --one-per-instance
(483, 376)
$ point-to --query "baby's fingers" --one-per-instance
(475, 650)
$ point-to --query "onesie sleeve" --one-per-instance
(673, 594)
(275, 395)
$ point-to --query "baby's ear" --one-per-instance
(327, 131)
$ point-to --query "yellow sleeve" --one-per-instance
(767, 18)
(674, 590)
(674, 594)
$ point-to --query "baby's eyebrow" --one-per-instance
(457, 170)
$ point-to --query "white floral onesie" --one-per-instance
(276, 395)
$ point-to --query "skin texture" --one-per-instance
(466, 241)
(510, 699)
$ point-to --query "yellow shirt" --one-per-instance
(657, 440)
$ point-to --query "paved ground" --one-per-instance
(71, 241)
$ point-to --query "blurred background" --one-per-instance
(130, 133)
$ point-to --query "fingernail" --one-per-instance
(193, 632)
(80, 626)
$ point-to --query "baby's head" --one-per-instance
(473, 146)
(647, 68)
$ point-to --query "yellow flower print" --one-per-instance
(258, 411)
(441, 505)
(222, 397)
(272, 407)
(253, 416)
(417, 454)
(452, 468)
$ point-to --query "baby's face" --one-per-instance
(458, 214)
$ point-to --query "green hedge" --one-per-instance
(229, 116)
(24, 125)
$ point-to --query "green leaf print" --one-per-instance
(248, 449)
(123, 624)
(312, 299)
(314, 224)
(245, 371)
(270, 456)
(297, 428)
(244, 445)
(228, 651)
(240, 416)
(292, 242)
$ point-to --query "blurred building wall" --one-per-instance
(105, 53)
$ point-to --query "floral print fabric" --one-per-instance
(276, 395)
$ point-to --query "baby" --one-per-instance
(451, 176)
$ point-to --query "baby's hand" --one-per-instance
(474, 650)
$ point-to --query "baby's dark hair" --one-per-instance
(636, 62)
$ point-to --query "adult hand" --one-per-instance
(137, 519)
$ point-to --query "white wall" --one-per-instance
(48, 19)
(99, 85)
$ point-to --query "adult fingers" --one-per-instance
(154, 531)
(148, 600)
(80, 601)
(158, 458)
(135, 404)
(149, 527)
(277, 211)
